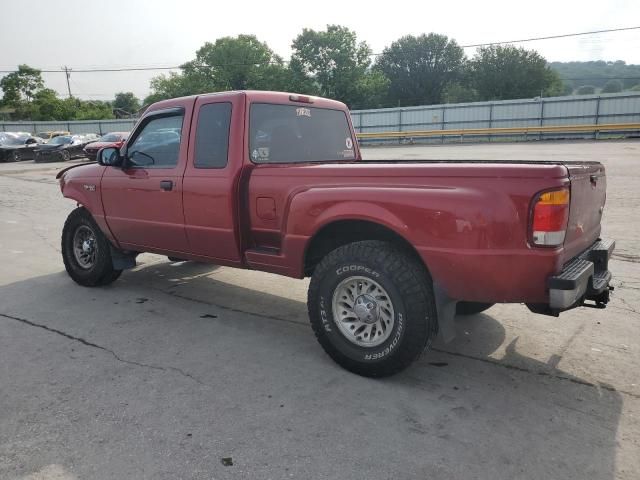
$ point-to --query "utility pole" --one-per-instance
(67, 71)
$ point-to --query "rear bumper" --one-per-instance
(586, 277)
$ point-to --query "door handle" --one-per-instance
(166, 185)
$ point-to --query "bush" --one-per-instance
(612, 86)
(586, 90)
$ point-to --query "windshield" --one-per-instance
(294, 134)
(11, 140)
(60, 140)
(111, 137)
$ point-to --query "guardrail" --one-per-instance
(605, 127)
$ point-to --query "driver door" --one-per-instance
(143, 200)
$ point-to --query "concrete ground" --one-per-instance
(188, 371)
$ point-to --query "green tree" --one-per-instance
(231, 63)
(46, 105)
(421, 68)
(612, 86)
(586, 90)
(506, 72)
(21, 85)
(126, 101)
(337, 64)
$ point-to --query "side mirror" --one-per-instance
(109, 157)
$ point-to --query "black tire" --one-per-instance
(100, 271)
(409, 288)
(65, 155)
(15, 156)
(471, 308)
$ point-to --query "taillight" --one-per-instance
(549, 217)
(301, 98)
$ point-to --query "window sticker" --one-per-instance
(303, 112)
(263, 153)
(349, 143)
(348, 154)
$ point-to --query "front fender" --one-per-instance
(83, 186)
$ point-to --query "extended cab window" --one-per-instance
(296, 134)
(212, 135)
(158, 144)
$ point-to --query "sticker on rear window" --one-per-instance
(303, 112)
(349, 143)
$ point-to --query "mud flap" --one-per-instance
(122, 260)
(446, 308)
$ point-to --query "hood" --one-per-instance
(85, 169)
(81, 170)
(47, 146)
(99, 145)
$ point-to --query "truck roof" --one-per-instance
(256, 96)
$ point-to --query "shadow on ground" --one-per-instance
(169, 371)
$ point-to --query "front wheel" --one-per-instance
(66, 156)
(372, 308)
(15, 156)
(86, 251)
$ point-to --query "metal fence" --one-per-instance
(573, 110)
(77, 127)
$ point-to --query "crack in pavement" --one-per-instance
(487, 360)
(100, 347)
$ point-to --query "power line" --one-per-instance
(550, 37)
(178, 67)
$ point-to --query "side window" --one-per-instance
(212, 136)
(158, 144)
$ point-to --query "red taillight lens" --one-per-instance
(549, 217)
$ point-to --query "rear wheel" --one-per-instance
(86, 251)
(372, 308)
(471, 308)
(66, 156)
(15, 156)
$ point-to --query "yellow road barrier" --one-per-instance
(605, 127)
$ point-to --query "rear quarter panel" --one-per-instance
(468, 222)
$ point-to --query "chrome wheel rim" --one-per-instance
(363, 311)
(85, 247)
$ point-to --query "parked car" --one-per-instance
(275, 182)
(17, 146)
(113, 139)
(46, 136)
(61, 148)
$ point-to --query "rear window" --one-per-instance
(298, 134)
(212, 135)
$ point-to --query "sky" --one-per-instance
(122, 33)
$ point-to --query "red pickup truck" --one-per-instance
(275, 182)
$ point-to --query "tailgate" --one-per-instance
(588, 194)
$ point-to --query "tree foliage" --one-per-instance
(231, 63)
(506, 72)
(420, 69)
(338, 65)
(612, 86)
(20, 86)
(586, 90)
(597, 73)
(127, 102)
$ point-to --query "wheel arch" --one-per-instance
(343, 231)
